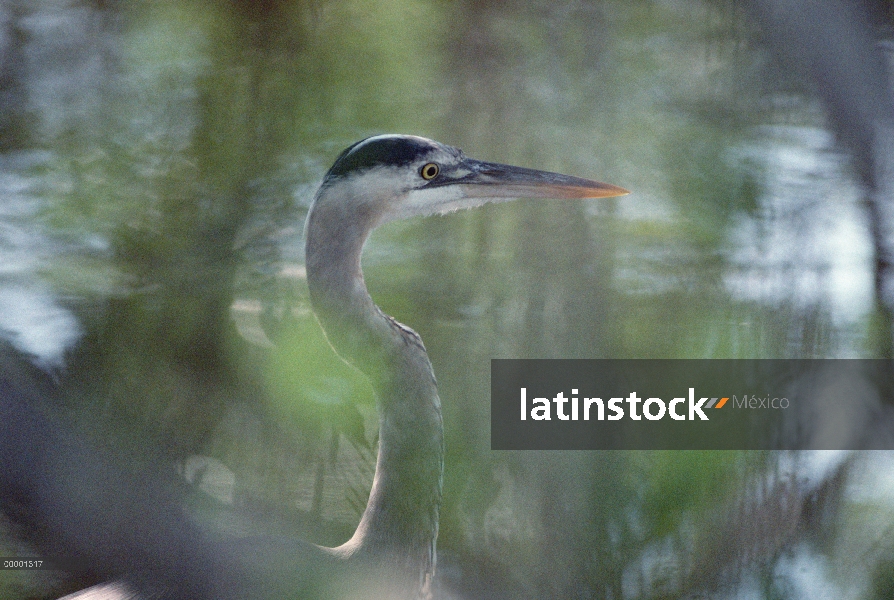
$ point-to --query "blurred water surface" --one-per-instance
(157, 161)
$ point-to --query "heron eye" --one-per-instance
(429, 171)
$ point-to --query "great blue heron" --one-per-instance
(377, 180)
(392, 552)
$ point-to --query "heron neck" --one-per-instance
(401, 517)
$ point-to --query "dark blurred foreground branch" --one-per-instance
(73, 501)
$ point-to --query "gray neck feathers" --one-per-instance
(401, 519)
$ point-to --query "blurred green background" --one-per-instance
(158, 160)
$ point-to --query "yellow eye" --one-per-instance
(429, 171)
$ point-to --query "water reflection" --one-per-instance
(30, 312)
(809, 244)
(157, 163)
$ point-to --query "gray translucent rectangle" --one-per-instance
(821, 404)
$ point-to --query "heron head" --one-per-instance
(390, 177)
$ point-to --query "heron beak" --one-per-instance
(479, 179)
